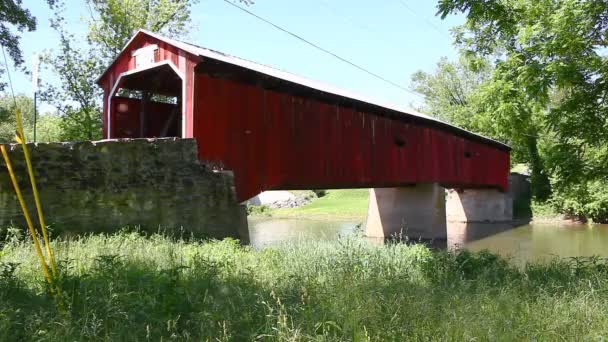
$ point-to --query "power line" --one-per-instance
(322, 49)
(8, 72)
(91, 12)
(349, 19)
(381, 36)
(428, 22)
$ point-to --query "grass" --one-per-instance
(350, 204)
(128, 287)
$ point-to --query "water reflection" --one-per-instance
(264, 232)
(536, 242)
(541, 242)
(460, 234)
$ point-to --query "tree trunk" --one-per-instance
(540, 184)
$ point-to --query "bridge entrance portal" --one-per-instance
(147, 104)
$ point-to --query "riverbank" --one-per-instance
(544, 213)
(129, 287)
(336, 205)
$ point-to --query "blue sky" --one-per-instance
(393, 38)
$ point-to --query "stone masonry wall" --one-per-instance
(106, 185)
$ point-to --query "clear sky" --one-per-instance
(392, 38)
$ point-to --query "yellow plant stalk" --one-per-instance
(26, 214)
(21, 139)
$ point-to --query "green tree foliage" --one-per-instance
(48, 128)
(468, 94)
(116, 21)
(550, 85)
(449, 92)
(14, 19)
(7, 116)
(76, 96)
(510, 114)
(47, 125)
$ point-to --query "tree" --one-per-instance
(468, 95)
(48, 128)
(76, 96)
(550, 82)
(14, 18)
(449, 91)
(114, 22)
(47, 125)
(511, 115)
(8, 119)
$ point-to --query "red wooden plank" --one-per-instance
(274, 156)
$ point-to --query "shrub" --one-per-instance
(260, 210)
(320, 193)
(583, 201)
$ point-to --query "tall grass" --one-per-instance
(127, 287)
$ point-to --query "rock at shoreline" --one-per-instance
(282, 199)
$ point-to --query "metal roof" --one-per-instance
(286, 76)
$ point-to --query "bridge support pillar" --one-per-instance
(479, 205)
(417, 212)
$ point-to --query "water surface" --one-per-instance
(265, 232)
(531, 242)
(541, 242)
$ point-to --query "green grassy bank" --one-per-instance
(126, 287)
(348, 204)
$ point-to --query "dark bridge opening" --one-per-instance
(148, 104)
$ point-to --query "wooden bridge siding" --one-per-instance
(126, 125)
(272, 140)
(295, 142)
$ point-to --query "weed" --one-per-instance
(259, 210)
(128, 286)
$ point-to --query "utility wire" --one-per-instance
(322, 49)
(8, 72)
(427, 21)
(91, 12)
(349, 19)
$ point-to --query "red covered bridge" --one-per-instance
(275, 130)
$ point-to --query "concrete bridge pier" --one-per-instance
(479, 205)
(417, 212)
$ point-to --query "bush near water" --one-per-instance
(127, 287)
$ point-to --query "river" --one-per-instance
(530, 242)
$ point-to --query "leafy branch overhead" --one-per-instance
(14, 20)
(114, 22)
(75, 96)
(547, 92)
